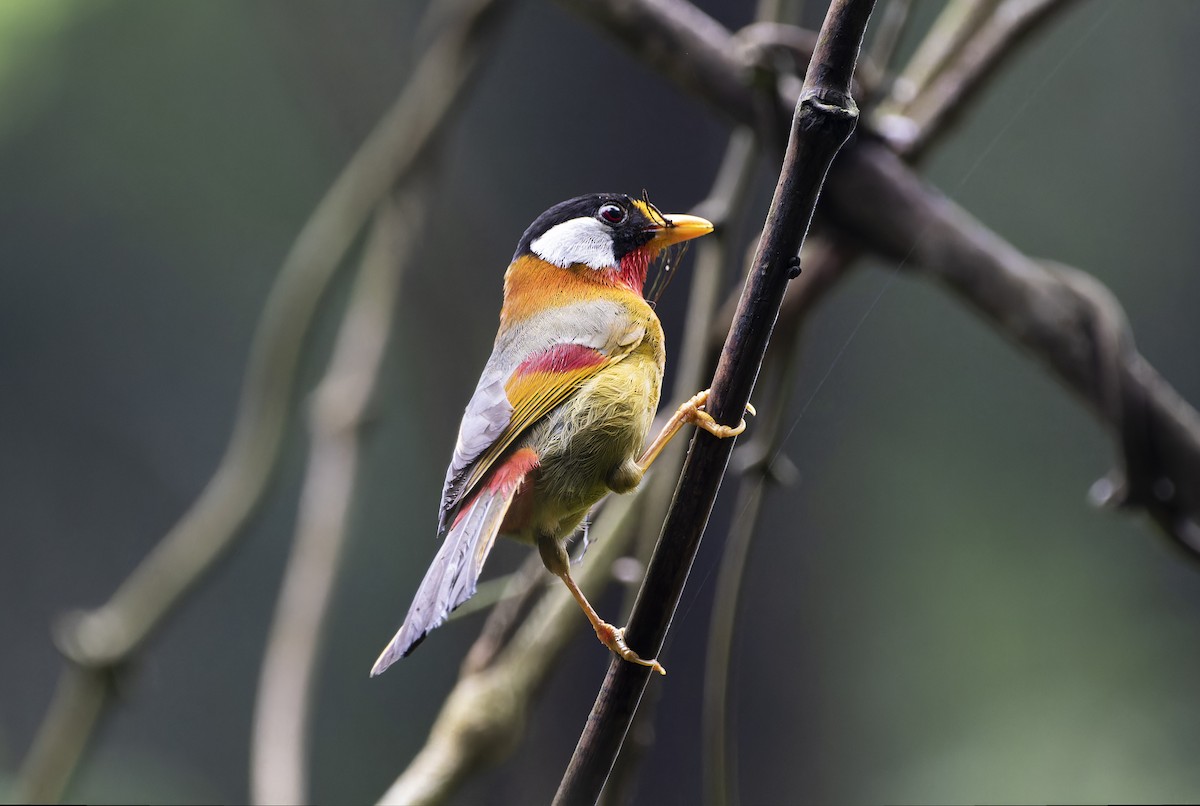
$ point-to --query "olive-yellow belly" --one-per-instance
(589, 444)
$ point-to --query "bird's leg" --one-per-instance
(690, 412)
(555, 558)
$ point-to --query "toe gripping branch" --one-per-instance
(692, 411)
(695, 413)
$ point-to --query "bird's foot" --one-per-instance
(614, 638)
(693, 411)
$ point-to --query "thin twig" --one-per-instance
(75, 709)
(957, 22)
(280, 739)
(942, 100)
(893, 21)
(279, 750)
(825, 117)
(98, 642)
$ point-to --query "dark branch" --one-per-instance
(1163, 474)
(1066, 318)
(825, 117)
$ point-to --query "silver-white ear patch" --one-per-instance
(580, 240)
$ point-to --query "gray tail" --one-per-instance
(454, 573)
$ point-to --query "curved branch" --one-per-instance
(99, 642)
(280, 739)
(280, 744)
(1067, 319)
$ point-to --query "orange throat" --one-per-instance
(531, 284)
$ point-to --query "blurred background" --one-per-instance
(934, 613)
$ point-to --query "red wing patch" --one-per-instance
(560, 358)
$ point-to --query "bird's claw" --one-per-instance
(614, 638)
(702, 419)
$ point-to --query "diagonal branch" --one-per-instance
(824, 118)
(987, 272)
(279, 751)
(716, 257)
(940, 100)
(282, 715)
(1066, 318)
(954, 26)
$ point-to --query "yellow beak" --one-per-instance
(680, 228)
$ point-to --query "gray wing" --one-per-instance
(487, 415)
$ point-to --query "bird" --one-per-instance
(563, 406)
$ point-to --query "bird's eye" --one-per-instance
(611, 213)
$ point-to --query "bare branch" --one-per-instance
(279, 748)
(79, 701)
(866, 174)
(931, 111)
(825, 117)
(1068, 320)
(892, 23)
(98, 642)
(279, 751)
(519, 592)
(954, 26)
(714, 259)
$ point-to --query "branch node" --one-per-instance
(793, 267)
(830, 101)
